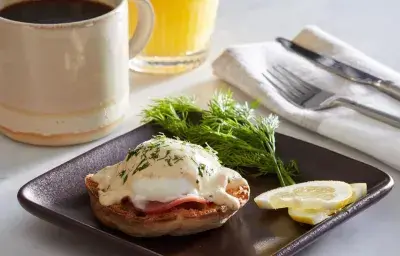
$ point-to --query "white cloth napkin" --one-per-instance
(242, 67)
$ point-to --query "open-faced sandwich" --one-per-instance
(166, 187)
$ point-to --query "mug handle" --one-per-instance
(144, 27)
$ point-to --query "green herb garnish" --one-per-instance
(133, 152)
(201, 168)
(168, 160)
(122, 173)
(142, 167)
(242, 139)
(166, 155)
(125, 178)
(154, 155)
(177, 158)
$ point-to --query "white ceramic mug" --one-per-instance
(68, 83)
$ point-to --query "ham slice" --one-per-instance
(158, 207)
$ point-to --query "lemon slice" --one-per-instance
(327, 195)
(359, 190)
(315, 216)
(309, 216)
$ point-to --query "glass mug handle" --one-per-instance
(144, 27)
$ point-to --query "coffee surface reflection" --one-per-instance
(54, 12)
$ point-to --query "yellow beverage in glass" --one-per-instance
(181, 35)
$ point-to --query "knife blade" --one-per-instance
(341, 69)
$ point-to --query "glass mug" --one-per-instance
(181, 35)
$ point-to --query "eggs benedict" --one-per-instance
(166, 186)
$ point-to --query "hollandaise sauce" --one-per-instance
(168, 171)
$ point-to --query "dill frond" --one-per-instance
(242, 140)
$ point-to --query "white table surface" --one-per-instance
(369, 25)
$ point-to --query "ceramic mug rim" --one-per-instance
(74, 24)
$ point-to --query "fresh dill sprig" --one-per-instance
(171, 113)
(242, 140)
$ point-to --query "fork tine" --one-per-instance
(292, 95)
(286, 85)
(305, 84)
(290, 82)
(290, 98)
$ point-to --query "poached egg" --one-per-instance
(163, 170)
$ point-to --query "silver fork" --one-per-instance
(307, 96)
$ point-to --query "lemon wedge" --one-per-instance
(315, 216)
(327, 195)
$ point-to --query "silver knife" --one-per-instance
(342, 69)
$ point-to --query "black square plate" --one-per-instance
(59, 196)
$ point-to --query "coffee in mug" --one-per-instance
(64, 75)
(53, 12)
